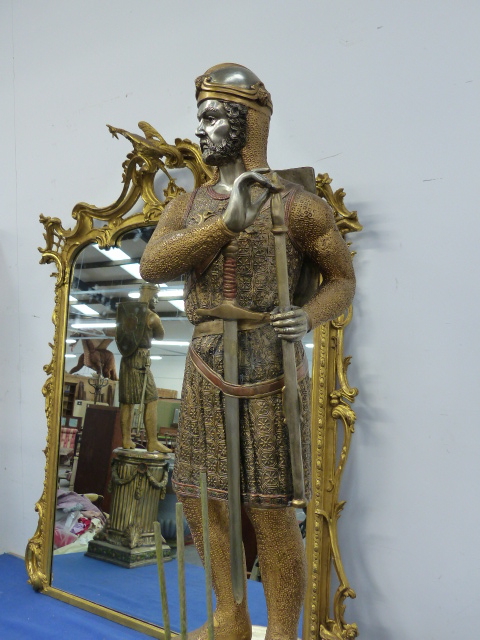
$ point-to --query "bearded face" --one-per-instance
(222, 131)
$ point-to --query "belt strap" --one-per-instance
(255, 390)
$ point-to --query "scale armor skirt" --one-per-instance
(265, 460)
(132, 376)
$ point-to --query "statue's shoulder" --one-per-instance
(309, 215)
(305, 204)
(176, 211)
(181, 202)
(305, 197)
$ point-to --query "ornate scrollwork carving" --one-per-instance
(341, 412)
(138, 474)
(347, 221)
(344, 390)
(331, 408)
(150, 155)
(34, 556)
(132, 535)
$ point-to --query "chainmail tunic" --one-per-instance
(265, 460)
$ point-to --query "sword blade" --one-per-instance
(232, 428)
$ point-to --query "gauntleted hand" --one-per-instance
(290, 324)
(242, 211)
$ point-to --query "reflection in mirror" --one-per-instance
(121, 575)
(90, 550)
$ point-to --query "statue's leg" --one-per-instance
(281, 555)
(150, 420)
(231, 620)
(126, 412)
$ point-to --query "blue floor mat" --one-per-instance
(136, 591)
(27, 615)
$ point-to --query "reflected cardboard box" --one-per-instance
(80, 407)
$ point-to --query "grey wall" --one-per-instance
(384, 96)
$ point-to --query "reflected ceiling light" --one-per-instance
(70, 355)
(70, 341)
(85, 309)
(93, 325)
(174, 293)
(134, 294)
(155, 357)
(309, 345)
(171, 343)
(113, 254)
(133, 269)
(72, 298)
(178, 304)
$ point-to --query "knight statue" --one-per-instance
(137, 325)
(232, 422)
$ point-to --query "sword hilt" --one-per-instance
(230, 270)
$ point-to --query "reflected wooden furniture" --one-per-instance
(76, 388)
(101, 434)
(168, 408)
(168, 435)
(70, 428)
(167, 393)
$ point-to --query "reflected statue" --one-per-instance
(137, 326)
(96, 356)
(221, 237)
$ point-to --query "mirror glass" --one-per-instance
(90, 431)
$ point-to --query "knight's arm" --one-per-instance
(174, 249)
(158, 332)
(313, 228)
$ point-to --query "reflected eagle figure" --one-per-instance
(96, 356)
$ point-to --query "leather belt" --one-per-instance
(255, 390)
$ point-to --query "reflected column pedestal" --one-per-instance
(138, 483)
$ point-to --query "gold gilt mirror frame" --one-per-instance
(333, 419)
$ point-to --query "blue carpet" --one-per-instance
(27, 615)
(136, 591)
